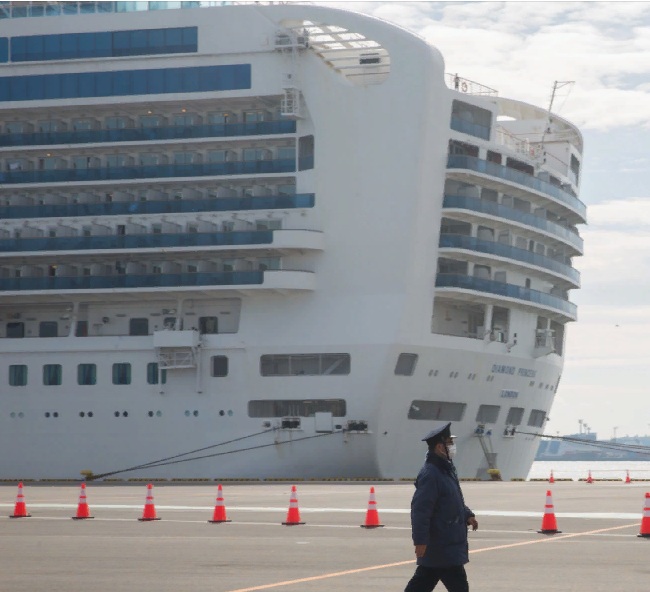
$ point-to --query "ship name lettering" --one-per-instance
(509, 394)
(501, 369)
(527, 372)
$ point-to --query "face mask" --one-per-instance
(451, 450)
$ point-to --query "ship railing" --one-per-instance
(463, 161)
(470, 87)
(147, 134)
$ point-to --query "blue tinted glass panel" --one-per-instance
(103, 84)
(18, 89)
(174, 39)
(18, 49)
(103, 45)
(36, 10)
(106, 44)
(70, 8)
(86, 85)
(138, 40)
(69, 85)
(35, 47)
(190, 38)
(86, 44)
(68, 46)
(156, 40)
(52, 47)
(120, 41)
(4, 49)
(155, 81)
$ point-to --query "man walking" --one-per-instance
(439, 519)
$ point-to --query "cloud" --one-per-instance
(521, 48)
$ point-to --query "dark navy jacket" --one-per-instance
(439, 515)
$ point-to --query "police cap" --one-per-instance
(438, 434)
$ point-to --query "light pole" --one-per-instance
(615, 428)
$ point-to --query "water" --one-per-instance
(600, 469)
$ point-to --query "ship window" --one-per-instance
(87, 374)
(48, 329)
(219, 365)
(209, 325)
(306, 153)
(437, 410)
(406, 364)
(537, 418)
(122, 373)
(82, 328)
(305, 364)
(152, 374)
(16, 330)
(301, 408)
(515, 416)
(18, 375)
(488, 413)
(52, 374)
(139, 326)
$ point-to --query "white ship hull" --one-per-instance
(271, 242)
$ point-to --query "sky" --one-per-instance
(521, 49)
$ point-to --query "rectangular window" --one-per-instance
(52, 374)
(18, 375)
(437, 410)
(87, 374)
(48, 329)
(406, 364)
(537, 418)
(219, 365)
(291, 408)
(122, 373)
(15, 330)
(82, 329)
(209, 325)
(305, 364)
(488, 413)
(515, 416)
(139, 326)
(152, 374)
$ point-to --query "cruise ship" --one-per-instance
(271, 241)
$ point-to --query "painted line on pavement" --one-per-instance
(554, 538)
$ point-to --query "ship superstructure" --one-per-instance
(274, 228)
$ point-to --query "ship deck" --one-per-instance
(598, 548)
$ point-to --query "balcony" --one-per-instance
(470, 243)
(150, 134)
(222, 204)
(253, 167)
(487, 207)
(278, 280)
(467, 127)
(468, 282)
(513, 176)
(279, 239)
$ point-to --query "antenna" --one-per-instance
(557, 85)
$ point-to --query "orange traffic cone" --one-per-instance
(83, 512)
(20, 510)
(293, 515)
(149, 512)
(549, 523)
(645, 521)
(219, 510)
(589, 478)
(627, 477)
(372, 517)
(551, 479)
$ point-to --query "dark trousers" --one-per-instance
(425, 579)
